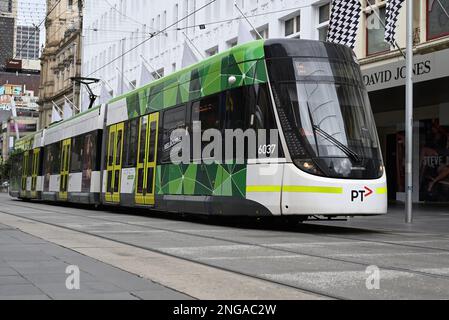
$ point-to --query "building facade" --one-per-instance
(383, 67)
(61, 57)
(23, 88)
(116, 26)
(8, 16)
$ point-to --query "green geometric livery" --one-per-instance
(201, 180)
(246, 63)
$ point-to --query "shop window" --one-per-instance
(434, 161)
(437, 19)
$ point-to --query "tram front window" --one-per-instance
(333, 117)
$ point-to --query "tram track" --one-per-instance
(318, 293)
(250, 244)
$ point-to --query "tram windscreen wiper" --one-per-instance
(352, 154)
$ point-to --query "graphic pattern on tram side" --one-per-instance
(246, 63)
(202, 179)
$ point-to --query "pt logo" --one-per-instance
(361, 194)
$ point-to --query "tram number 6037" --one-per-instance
(267, 149)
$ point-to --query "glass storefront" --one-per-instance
(434, 161)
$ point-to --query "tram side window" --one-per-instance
(263, 113)
(16, 171)
(264, 119)
(89, 159)
(131, 143)
(30, 163)
(207, 112)
(173, 119)
(77, 154)
(236, 114)
(55, 158)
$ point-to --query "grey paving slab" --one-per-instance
(26, 297)
(34, 269)
(7, 280)
(159, 295)
(94, 296)
(19, 289)
(7, 271)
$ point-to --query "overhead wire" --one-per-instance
(152, 36)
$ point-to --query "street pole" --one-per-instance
(74, 74)
(409, 116)
(122, 68)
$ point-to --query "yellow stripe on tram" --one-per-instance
(294, 189)
(312, 189)
(381, 191)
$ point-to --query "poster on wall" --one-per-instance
(434, 161)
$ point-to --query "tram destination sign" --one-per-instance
(426, 67)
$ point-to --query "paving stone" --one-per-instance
(7, 280)
(19, 289)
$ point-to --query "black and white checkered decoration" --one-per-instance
(344, 22)
(391, 18)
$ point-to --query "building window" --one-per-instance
(437, 19)
(158, 74)
(232, 43)
(323, 21)
(264, 32)
(292, 25)
(212, 51)
(375, 30)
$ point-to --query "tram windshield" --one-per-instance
(327, 105)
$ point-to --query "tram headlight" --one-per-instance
(308, 165)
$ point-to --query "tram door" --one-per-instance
(146, 164)
(26, 163)
(64, 169)
(114, 162)
(35, 172)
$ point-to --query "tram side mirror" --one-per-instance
(232, 80)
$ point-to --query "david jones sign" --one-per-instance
(426, 67)
(384, 76)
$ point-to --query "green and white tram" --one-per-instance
(310, 93)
